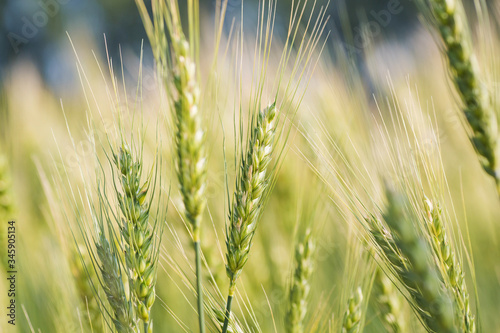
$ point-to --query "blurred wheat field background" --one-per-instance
(300, 165)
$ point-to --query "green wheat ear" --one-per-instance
(251, 189)
(137, 234)
(465, 72)
(190, 137)
(299, 290)
(445, 254)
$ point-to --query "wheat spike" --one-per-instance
(299, 290)
(252, 187)
(191, 160)
(140, 253)
(410, 258)
(445, 254)
(465, 72)
(250, 191)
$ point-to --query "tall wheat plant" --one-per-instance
(179, 71)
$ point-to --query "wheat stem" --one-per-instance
(220, 317)
(199, 287)
(228, 311)
(190, 146)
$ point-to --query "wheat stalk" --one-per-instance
(465, 72)
(251, 189)
(352, 316)
(299, 290)
(189, 133)
(190, 144)
(409, 256)
(445, 254)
